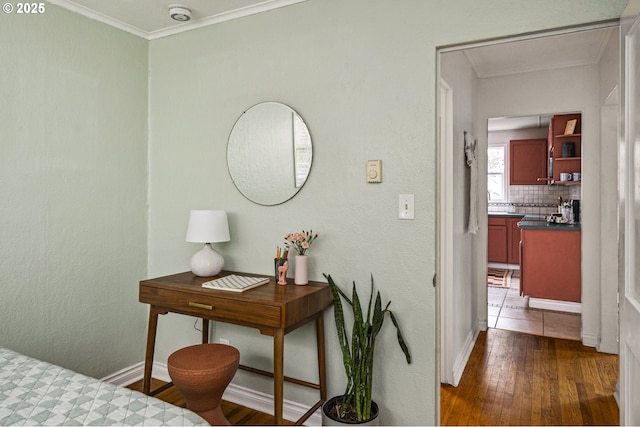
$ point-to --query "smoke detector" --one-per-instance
(179, 13)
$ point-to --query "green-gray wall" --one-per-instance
(362, 74)
(73, 182)
(77, 170)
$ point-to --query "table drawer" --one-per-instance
(212, 307)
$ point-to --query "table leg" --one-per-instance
(151, 344)
(278, 374)
(322, 370)
(205, 331)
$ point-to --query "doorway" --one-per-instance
(479, 96)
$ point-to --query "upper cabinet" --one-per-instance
(528, 162)
(565, 148)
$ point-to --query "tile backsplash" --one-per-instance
(536, 199)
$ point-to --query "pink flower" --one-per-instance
(300, 241)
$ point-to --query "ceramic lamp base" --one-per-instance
(207, 262)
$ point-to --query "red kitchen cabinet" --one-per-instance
(504, 239)
(550, 264)
(557, 138)
(528, 162)
(513, 240)
(497, 250)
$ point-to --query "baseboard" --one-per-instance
(126, 376)
(463, 357)
(550, 304)
(590, 340)
(247, 397)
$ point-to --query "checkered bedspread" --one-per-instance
(33, 392)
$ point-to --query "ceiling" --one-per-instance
(150, 18)
(541, 53)
(537, 54)
(525, 122)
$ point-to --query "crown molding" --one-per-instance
(265, 6)
(97, 16)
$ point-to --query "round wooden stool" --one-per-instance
(201, 373)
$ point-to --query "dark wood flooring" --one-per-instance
(520, 379)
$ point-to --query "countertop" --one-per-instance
(531, 222)
(507, 214)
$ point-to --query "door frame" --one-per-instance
(629, 249)
(444, 176)
(445, 231)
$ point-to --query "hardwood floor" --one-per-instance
(511, 379)
(236, 414)
(520, 379)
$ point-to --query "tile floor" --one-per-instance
(508, 310)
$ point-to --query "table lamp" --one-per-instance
(207, 227)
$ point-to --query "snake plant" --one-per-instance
(357, 353)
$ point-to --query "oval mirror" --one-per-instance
(269, 153)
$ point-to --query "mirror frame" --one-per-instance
(253, 169)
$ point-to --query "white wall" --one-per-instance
(609, 72)
(362, 75)
(559, 91)
(73, 175)
(457, 72)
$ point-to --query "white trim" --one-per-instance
(97, 16)
(591, 341)
(446, 256)
(126, 376)
(463, 357)
(527, 36)
(550, 304)
(247, 397)
(264, 6)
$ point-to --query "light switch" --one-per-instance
(374, 171)
(405, 206)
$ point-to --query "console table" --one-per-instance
(274, 310)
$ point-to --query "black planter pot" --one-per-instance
(330, 420)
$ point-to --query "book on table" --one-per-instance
(235, 283)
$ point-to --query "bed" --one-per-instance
(33, 392)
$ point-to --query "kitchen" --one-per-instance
(534, 230)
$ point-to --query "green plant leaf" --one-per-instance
(401, 341)
(358, 355)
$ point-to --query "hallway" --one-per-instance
(521, 379)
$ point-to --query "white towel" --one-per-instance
(470, 145)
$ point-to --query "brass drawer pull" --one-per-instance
(198, 305)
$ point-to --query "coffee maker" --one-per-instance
(575, 208)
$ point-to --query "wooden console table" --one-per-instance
(274, 310)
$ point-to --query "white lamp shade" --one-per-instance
(208, 226)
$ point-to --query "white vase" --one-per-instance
(301, 276)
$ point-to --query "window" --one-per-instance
(496, 172)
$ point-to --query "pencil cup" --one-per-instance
(277, 262)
